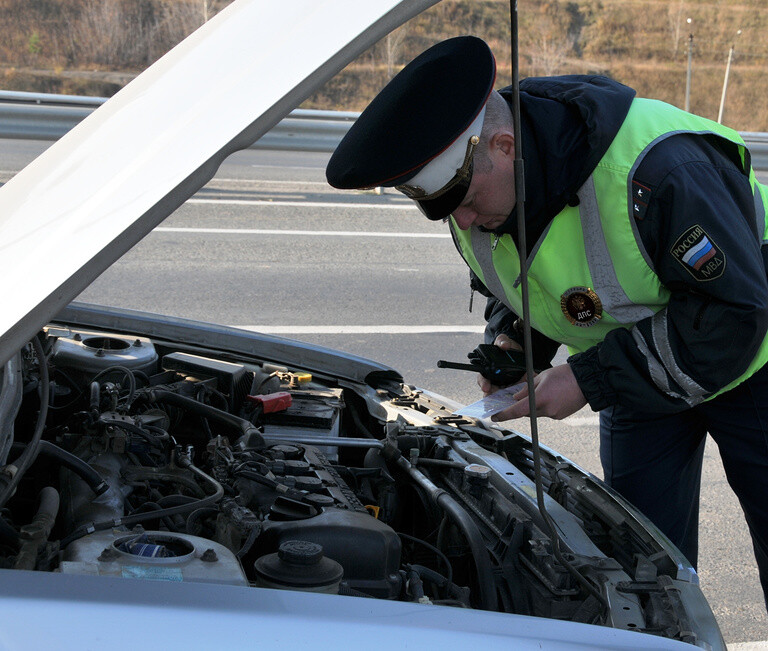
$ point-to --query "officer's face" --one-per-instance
(491, 195)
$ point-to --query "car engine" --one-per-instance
(123, 456)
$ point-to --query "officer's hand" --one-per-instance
(557, 395)
(505, 343)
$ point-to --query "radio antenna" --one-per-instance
(519, 168)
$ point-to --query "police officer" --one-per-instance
(646, 229)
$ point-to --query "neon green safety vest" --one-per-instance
(589, 272)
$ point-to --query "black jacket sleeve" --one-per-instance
(695, 196)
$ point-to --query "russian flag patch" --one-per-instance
(698, 253)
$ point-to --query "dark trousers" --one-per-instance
(655, 462)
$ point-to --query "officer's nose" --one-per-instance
(464, 217)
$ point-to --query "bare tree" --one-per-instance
(100, 33)
(393, 44)
(550, 38)
(176, 21)
(549, 52)
(208, 7)
(124, 33)
(676, 15)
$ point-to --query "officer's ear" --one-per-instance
(502, 142)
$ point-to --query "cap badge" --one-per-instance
(462, 175)
(581, 306)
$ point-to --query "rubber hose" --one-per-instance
(35, 534)
(246, 427)
(27, 458)
(486, 581)
(74, 463)
(485, 577)
(193, 526)
(132, 520)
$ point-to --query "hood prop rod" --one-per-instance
(519, 168)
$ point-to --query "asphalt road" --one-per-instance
(268, 245)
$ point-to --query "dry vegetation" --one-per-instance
(78, 46)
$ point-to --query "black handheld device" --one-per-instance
(502, 367)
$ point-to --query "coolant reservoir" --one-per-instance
(299, 565)
(155, 555)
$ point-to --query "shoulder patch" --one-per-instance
(699, 254)
(641, 195)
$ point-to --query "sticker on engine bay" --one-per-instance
(152, 573)
(491, 404)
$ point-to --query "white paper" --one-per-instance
(491, 404)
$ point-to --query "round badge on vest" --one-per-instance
(581, 306)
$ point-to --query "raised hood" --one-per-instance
(101, 188)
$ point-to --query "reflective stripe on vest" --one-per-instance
(659, 371)
(760, 197)
(604, 281)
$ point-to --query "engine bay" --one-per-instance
(123, 456)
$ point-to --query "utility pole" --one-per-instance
(688, 74)
(725, 81)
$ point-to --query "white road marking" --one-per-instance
(293, 167)
(217, 179)
(360, 329)
(306, 204)
(267, 231)
(212, 185)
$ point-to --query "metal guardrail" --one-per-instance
(757, 143)
(44, 116)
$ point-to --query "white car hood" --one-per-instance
(76, 613)
(96, 192)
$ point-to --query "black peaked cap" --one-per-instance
(417, 115)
